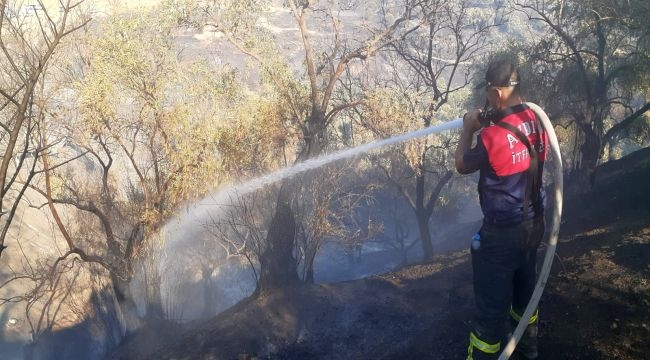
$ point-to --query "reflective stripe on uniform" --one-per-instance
(517, 317)
(474, 341)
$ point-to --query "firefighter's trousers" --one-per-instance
(505, 273)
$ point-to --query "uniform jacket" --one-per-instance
(503, 162)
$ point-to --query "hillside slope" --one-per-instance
(595, 306)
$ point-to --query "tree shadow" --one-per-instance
(11, 346)
(635, 257)
(90, 339)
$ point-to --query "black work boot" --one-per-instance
(479, 355)
(527, 346)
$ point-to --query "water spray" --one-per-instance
(330, 158)
(224, 195)
(205, 207)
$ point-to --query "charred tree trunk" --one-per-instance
(423, 214)
(424, 206)
(590, 150)
(401, 234)
(425, 234)
(126, 304)
(278, 266)
(209, 303)
(152, 282)
(155, 308)
(309, 278)
(310, 256)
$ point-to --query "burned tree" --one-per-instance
(307, 91)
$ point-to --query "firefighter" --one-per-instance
(509, 154)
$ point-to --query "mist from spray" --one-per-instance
(189, 228)
(209, 207)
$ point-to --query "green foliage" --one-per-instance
(159, 112)
(639, 131)
(588, 65)
(239, 16)
(249, 144)
(390, 112)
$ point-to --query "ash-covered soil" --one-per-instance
(596, 304)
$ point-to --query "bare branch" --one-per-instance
(626, 122)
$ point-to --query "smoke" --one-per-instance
(187, 238)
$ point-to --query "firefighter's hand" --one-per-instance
(471, 123)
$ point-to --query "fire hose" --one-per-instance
(552, 241)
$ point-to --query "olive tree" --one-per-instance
(432, 69)
(147, 121)
(589, 67)
(306, 85)
(27, 47)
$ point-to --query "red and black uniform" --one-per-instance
(504, 265)
(503, 161)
